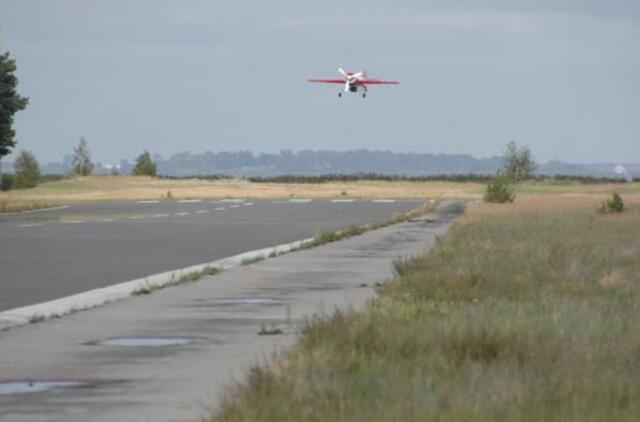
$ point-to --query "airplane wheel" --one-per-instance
(339, 94)
(364, 95)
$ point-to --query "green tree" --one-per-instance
(27, 170)
(145, 165)
(10, 103)
(82, 165)
(518, 163)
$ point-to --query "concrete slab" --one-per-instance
(221, 315)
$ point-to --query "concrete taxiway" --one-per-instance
(169, 355)
(54, 253)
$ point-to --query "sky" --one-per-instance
(562, 77)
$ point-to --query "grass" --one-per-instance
(186, 278)
(252, 260)
(35, 319)
(526, 311)
(334, 236)
(270, 331)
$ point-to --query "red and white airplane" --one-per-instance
(353, 81)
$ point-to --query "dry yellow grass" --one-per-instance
(540, 203)
(126, 188)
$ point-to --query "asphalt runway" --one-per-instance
(54, 253)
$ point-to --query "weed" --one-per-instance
(146, 290)
(252, 260)
(36, 319)
(269, 331)
(186, 278)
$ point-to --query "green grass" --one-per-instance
(35, 319)
(334, 236)
(270, 331)
(519, 317)
(187, 278)
(252, 260)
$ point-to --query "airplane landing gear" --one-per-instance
(339, 94)
(364, 95)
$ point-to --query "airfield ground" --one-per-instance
(127, 188)
(525, 311)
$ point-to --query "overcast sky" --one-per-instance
(561, 76)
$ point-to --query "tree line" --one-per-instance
(27, 169)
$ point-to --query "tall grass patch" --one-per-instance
(522, 316)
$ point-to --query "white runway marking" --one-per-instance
(299, 201)
(383, 201)
(189, 201)
(237, 201)
(147, 202)
(202, 212)
(160, 215)
(135, 217)
(73, 221)
(106, 220)
(30, 225)
(60, 207)
(342, 200)
(248, 204)
(182, 213)
(219, 209)
(234, 206)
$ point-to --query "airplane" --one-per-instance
(353, 81)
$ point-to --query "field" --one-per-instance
(526, 311)
(127, 188)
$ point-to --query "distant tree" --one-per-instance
(10, 103)
(145, 165)
(27, 171)
(81, 162)
(518, 163)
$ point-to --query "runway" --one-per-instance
(54, 253)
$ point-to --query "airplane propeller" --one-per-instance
(349, 79)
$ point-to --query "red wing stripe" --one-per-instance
(377, 82)
(328, 81)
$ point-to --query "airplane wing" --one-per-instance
(328, 81)
(367, 81)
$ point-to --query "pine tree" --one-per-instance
(27, 170)
(145, 165)
(82, 165)
(10, 103)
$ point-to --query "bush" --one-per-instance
(499, 190)
(615, 204)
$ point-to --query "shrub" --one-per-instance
(615, 204)
(499, 190)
